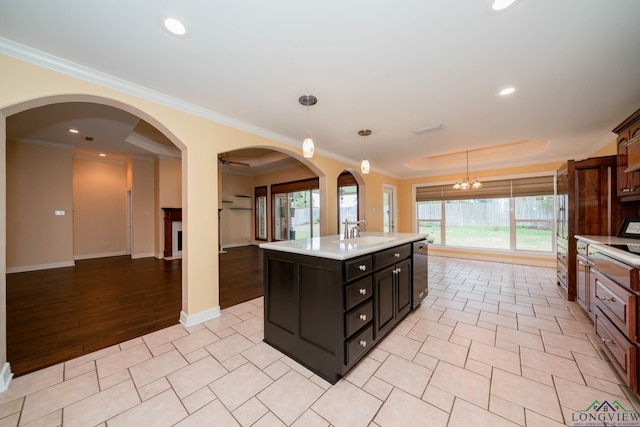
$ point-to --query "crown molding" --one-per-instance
(43, 59)
(51, 62)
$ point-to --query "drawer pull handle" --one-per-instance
(607, 341)
(362, 267)
(396, 255)
(608, 299)
(363, 291)
(363, 317)
(363, 343)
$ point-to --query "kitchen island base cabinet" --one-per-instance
(327, 314)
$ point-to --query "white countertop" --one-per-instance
(603, 244)
(336, 247)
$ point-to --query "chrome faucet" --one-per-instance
(355, 230)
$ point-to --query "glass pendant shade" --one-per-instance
(364, 166)
(308, 148)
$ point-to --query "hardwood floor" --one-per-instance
(58, 314)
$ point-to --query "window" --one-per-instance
(347, 199)
(296, 209)
(261, 213)
(514, 214)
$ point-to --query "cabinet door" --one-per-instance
(634, 177)
(403, 283)
(628, 182)
(384, 299)
(624, 179)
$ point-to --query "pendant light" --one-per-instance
(307, 145)
(466, 183)
(364, 166)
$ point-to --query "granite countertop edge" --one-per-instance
(603, 244)
(338, 248)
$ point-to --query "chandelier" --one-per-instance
(467, 183)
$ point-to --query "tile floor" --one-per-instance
(493, 345)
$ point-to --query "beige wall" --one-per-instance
(39, 182)
(99, 208)
(142, 208)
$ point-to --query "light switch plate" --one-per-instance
(59, 213)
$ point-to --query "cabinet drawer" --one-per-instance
(391, 256)
(582, 248)
(359, 344)
(358, 292)
(357, 267)
(562, 254)
(622, 273)
(620, 350)
(358, 317)
(617, 303)
(562, 273)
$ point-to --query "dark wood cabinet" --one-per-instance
(616, 313)
(327, 314)
(393, 295)
(629, 158)
(587, 205)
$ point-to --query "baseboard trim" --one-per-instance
(5, 377)
(194, 319)
(25, 268)
(147, 255)
(100, 255)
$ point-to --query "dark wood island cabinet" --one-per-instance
(328, 313)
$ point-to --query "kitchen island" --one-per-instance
(329, 300)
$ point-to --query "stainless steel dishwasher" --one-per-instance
(420, 273)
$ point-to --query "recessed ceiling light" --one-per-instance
(499, 5)
(507, 91)
(74, 130)
(175, 27)
(103, 155)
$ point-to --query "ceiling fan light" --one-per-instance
(308, 148)
(365, 166)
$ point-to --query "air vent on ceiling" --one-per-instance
(429, 130)
(87, 138)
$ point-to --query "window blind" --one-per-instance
(518, 187)
(290, 187)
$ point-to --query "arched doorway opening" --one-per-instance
(253, 183)
(68, 205)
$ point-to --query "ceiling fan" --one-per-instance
(223, 160)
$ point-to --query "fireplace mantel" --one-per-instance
(170, 215)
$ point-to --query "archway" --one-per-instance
(89, 102)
